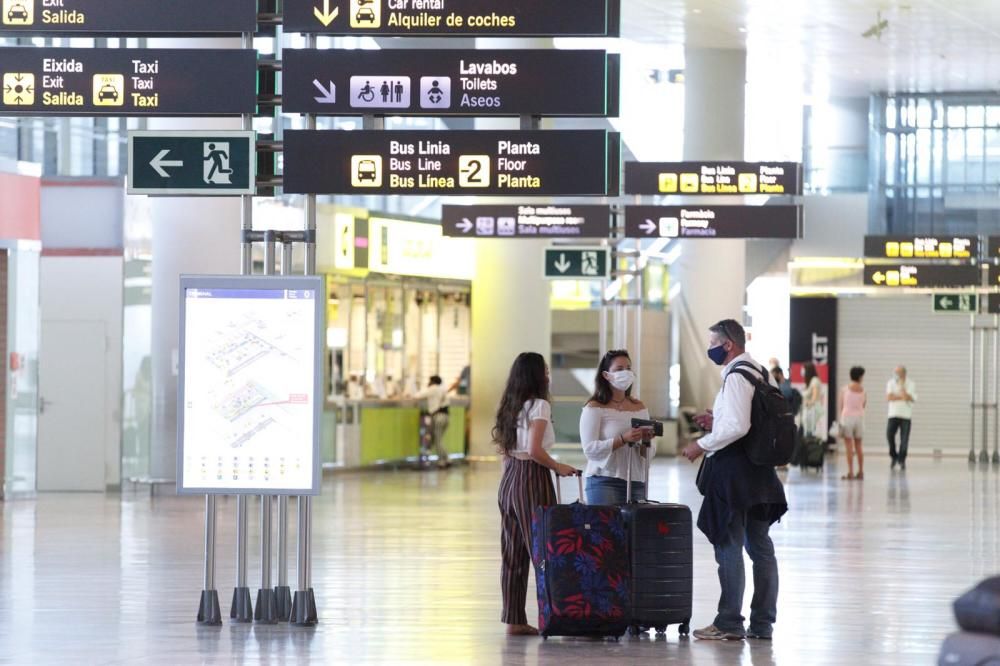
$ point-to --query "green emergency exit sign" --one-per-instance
(956, 303)
(577, 263)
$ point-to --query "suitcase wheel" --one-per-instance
(634, 630)
(684, 629)
(660, 631)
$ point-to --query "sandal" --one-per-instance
(848, 477)
(860, 476)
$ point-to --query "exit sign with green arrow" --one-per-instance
(577, 263)
(956, 303)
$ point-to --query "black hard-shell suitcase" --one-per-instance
(662, 559)
(968, 649)
(813, 452)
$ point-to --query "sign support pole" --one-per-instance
(282, 592)
(972, 388)
(242, 608)
(209, 613)
(984, 457)
(303, 612)
(996, 390)
(266, 608)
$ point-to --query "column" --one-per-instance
(190, 236)
(711, 273)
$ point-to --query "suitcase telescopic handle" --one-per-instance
(628, 473)
(579, 480)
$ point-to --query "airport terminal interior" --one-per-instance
(324, 319)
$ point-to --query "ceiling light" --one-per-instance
(743, 29)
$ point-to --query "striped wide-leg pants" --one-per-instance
(525, 485)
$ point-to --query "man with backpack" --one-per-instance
(750, 430)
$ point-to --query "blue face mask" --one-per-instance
(718, 354)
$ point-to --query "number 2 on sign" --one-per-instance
(473, 171)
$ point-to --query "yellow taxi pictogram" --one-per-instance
(109, 90)
(18, 89)
(18, 12)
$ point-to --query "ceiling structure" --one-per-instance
(911, 45)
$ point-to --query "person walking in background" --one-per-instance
(438, 407)
(523, 433)
(791, 394)
(851, 407)
(742, 500)
(606, 431)
(813, 400)
(901, 394)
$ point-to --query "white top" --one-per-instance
(599, 426)
(539, 410)
(731, 413)
(901, 409)
(436, 396)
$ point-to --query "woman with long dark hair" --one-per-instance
(523, 434)
(606, 431)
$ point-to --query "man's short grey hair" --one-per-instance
(731, 330)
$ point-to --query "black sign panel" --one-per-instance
(994, 276)
(922, 247)
(127, 17)
(922, 275)
(475, 18)
(527, 221)
(993, 247)
(128, 82)
(713, 221)
(511, 163)
(993, 304)
(450, 82)
(713, 178)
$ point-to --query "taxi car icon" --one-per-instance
(17, 12)
(365, 14)
(107, 92)
(367, 171)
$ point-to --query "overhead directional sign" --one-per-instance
(476, 18)
(922, 247)
(577, 263)
(526, 221)
(504, 163)
(131, 17)
(713, 178)
(993, 247)
(450, 82)
(994, 276)
(956, 303)
(922, 275)
(993, 304)
(186, 163)
(713, 221)
(128, 82)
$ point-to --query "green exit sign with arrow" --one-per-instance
(577, 263)
(956, 303)
(220, 163)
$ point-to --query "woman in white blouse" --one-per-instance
(606, 431)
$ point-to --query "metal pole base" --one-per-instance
(283, 602)
(984, 457)
(304, 609)
(242, 609)
(208, 612)
(267, 610)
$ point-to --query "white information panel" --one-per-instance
(250, 373)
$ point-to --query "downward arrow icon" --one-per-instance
(326, 17)
(563, 264)
(159, 162)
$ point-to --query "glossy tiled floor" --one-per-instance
(406, 572)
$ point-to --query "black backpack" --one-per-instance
(771, 439)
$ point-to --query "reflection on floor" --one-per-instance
(406, 572)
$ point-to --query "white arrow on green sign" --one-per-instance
(956, 303)
(218, 163)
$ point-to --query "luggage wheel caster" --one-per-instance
(684, 629)
(634, 630)
(660, 631)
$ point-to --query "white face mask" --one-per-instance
(621, 380)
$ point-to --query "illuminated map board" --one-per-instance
(249, 392)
